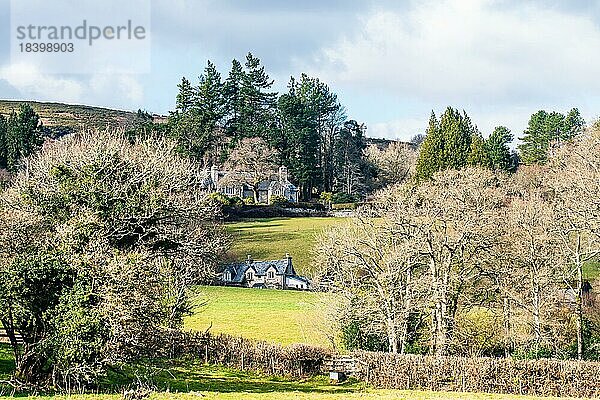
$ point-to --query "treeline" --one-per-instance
(475, 262)
(453, 141)
(325, 151)
(307, 126)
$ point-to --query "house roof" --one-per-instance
(299, 278)
(238, 270)
(272, 182)
(284, 185)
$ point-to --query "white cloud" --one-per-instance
(32, 84)
(402, 129)
(113, 90)
(118, 87)
(469, 51)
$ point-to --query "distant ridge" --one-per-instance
(64, 118)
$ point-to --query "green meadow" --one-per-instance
(272, 238)
(279, 316)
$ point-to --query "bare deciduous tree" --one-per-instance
(251, 163)
(395, 164)
(426, 241)
(375, 262)
(100, 242)
(531, 276)
(458, 220)
(574, 177)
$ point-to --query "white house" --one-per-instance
(274, 274)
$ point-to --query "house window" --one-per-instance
(227, 276)
(249, 275)
(271, 275)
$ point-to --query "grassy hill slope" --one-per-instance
(73, 117)
(281, 316)
(272, 238)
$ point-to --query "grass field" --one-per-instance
(275, 315)
(272, 238)
(591, 270)
(192, 380)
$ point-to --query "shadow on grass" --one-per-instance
(192, 376)
(7, 364)
(182, 376)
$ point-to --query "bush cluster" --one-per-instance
(544, 377)
(246, 354)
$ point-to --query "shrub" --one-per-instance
(309, 206)
(236, 201)
(344, 206)
(218, 198)
(326, 198)
(341, 197)
(543, 377)
(478, 332)
(249, 201)
(279, 201)
(356, 335)
(223, 200)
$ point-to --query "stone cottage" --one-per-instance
(274, 274)
(278, 185)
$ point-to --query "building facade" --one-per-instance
(274, 274)
(278, 185)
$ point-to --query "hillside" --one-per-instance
(61, 117)
(281, 316)
(272, 238)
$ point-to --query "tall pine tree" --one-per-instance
(234, 103)
(298, 141)
(546, 130)
(186, 97)
(257, 114)
(197, 121)
(23, 136)
(499, 154)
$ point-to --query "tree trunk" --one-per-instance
(537, 329)
(436, 307)
(443, 315)
(392, 336)
(10, 332)
(406, 314)
(507, 335)
(579, 300)
(579, 319)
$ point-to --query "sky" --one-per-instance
(391, 62)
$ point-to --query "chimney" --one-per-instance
(290, 268)
(214, 175)
(249, 259)
(283, 174)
